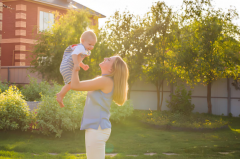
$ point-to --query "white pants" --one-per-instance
(95, 141)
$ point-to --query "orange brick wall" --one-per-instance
(1, 9)
(19, 30)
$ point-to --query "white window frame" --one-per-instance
(46, 20)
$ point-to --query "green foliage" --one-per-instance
(9, 154)
(160, 26)
(207, 48)
(159, 23)
(196, 45)
(119, 113)
(124, 36)
(193, 120)
(3, 87)
(236, 83)
(14, 112)
(181, 101)
(48, 51)
(33, 90)
(52, 119)
(100, 51)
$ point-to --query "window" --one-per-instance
(46, 20)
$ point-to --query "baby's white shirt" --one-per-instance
(79, 49)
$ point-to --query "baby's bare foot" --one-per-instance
(60, 100)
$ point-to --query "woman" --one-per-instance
(111, 86)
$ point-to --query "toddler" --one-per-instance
(71, 60)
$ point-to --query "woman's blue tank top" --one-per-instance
(97, 110)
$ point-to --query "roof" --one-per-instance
(67, 3)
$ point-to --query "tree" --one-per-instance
(100, 51)
(48, 51)
(207, 48)
(159, 27)
(124, 37)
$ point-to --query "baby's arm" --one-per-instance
(85, 67)
(76, 56)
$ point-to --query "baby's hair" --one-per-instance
(87, 34)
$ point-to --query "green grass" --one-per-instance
(130, 137)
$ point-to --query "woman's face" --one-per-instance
(106, 65)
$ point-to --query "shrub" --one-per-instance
(119, 113)
(52, 119)
(181, 101)
(31, 92)
(193, 120)
(3, 87)
(14, 113)
(20, 86)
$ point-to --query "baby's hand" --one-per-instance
(84, 67)
(76, 68)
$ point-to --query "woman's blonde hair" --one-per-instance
(120, 77)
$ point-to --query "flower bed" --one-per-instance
(177, 121)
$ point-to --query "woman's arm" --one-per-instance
(100, 83)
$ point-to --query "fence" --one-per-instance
(17, 74)
(144, 97)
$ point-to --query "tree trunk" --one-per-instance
(171, 91)
(158, 100)
(158, 86)
(162, 97)
(209, 98)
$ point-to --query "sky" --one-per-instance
(140, 7)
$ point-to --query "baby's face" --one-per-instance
(89, 43)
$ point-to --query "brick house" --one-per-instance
(17, 23)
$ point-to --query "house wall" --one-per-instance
(19, 30)
(1, 17)
(144, 97)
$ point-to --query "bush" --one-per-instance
(193, 120)
(181, 101)
(119, 113)
(52, 119)
(31, 92)
(14, 112)
(3, 87)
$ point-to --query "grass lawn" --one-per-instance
(130, 137)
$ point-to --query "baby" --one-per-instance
(71, 60)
